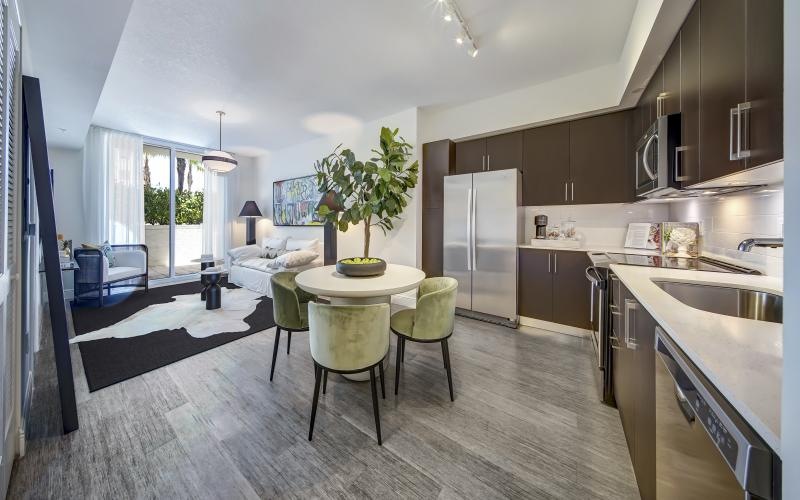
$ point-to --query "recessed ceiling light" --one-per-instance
(460, 41)
(473, 52)
(448, 17)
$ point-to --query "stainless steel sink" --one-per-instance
(730, 301)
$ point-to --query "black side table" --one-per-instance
(205, 263)
(212, 293)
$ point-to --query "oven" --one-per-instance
(598, 277)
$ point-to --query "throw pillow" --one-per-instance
(294, 258)
(108, 252)
(104, 247)
(297, 244)
(271, 253)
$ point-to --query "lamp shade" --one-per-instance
(219, 161)
(329, 200)
(250, 209)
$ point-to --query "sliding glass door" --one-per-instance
(174, 182)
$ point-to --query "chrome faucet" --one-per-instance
(748, 244)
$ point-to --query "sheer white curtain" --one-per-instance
(113, 187)
(216, 233)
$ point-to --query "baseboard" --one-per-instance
(553, 327)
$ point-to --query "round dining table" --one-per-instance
(345, 290)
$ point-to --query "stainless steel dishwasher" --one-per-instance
(704, 450)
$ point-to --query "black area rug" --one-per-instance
(112, 360)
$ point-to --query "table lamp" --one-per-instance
(250, 211)
(329, 200)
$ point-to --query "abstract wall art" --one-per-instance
(294, 202)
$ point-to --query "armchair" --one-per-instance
(95, 274)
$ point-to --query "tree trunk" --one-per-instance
(181, 168)
(367, 222)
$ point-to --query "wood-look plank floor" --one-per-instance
(526, 423)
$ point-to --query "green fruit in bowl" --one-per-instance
(361, 260)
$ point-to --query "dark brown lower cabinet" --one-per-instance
(553, 286)
(634, 386)
(535, 284)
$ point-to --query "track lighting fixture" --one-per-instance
(451, 13)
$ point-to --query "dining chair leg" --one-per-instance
(444, 356)
(403, 353)
(383, 386)
(317, 376)
(275, 352)
(446, 352)
(397, 365)
(375, 404)
(324, 381)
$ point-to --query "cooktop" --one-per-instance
(693, 264)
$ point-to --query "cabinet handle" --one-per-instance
(572, 190)
(565, 191)
(742, 117)
(591, 305)
(548, 262)
(630, 341)
(483, 163)
(733, 155)
(488, 162)
(555, 264)
(678, 151)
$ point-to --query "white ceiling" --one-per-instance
(275, 66)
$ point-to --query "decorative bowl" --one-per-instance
(359, 267)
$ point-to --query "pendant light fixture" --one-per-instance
(219, 161)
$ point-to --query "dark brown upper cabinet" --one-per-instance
(545, 165)
(669, 100)
(688, 158)
(504, 151)
(764, 81)
(599, 163)
(722, 84)
(470, 156)
(437, 160)
(498, 152)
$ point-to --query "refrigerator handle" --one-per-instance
(474, 250)
(469, 229)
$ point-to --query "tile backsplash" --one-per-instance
(727, 220)
(600, 225)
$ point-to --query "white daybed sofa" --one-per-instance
(252, 266)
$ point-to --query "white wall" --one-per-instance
(400, 246)
(790, 430)
(727, 220)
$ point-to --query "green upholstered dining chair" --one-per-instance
(289, 309)
(348, 339)
(431, 321)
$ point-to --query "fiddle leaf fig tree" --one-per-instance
(374, 192)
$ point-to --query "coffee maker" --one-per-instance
(541, 226)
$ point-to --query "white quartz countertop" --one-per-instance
(743, 358)
(591, 248)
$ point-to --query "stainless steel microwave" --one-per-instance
(656, 157)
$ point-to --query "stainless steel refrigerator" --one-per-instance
(482, 226)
